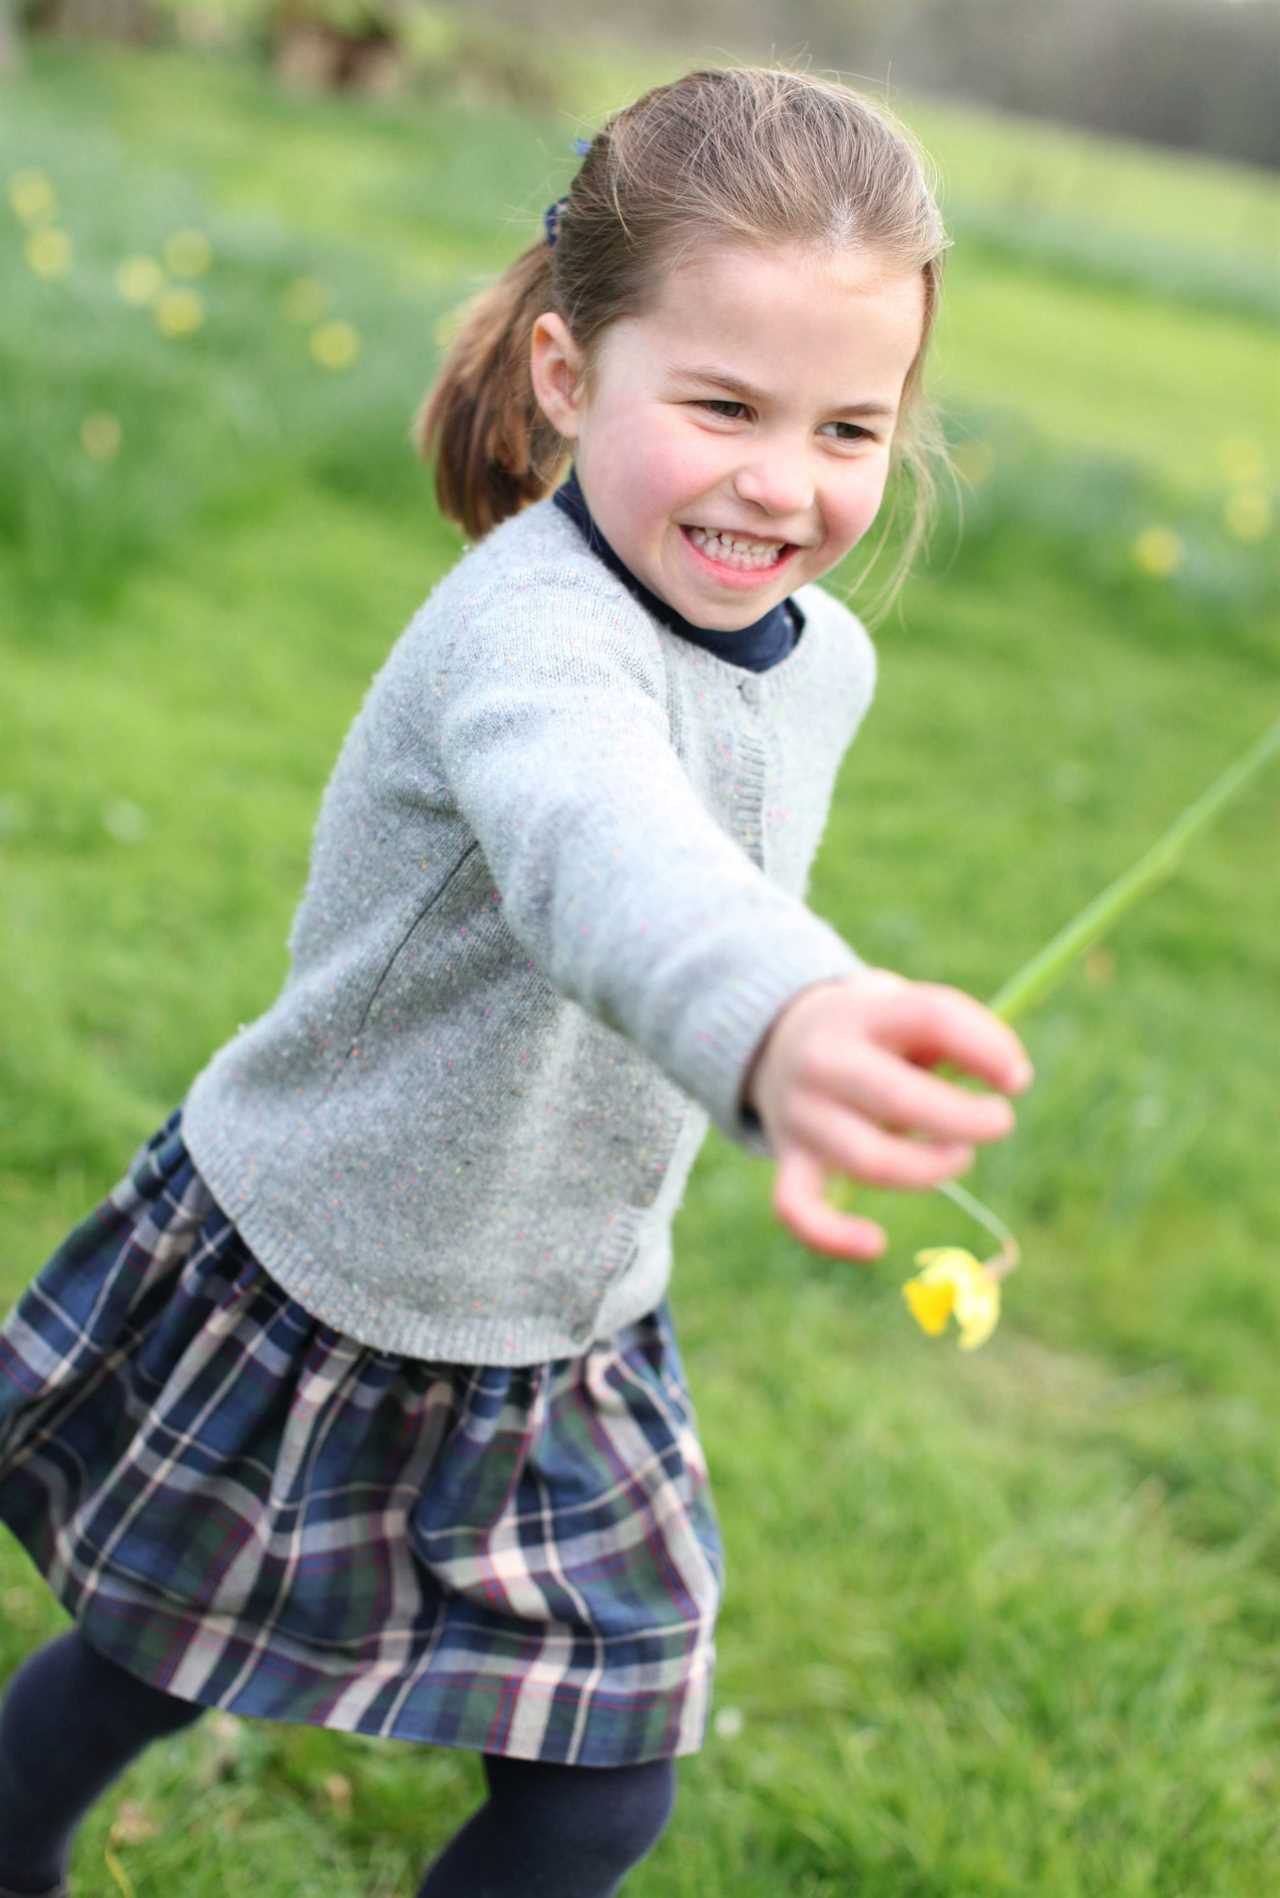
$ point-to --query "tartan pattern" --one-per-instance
(245, 1507)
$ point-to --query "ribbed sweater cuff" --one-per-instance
(741, 1015)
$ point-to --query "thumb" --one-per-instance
(798, 1202)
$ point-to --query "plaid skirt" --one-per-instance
(249, 1509)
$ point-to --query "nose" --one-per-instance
(776, 479)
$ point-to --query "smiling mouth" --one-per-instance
(738, 550)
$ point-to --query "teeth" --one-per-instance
(735, 551)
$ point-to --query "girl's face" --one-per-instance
(734, 442)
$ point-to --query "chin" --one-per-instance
(736, 619)
(735, 622)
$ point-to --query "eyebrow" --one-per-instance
(704, 372)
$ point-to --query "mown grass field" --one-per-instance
(996, 1625)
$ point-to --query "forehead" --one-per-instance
(790, 313)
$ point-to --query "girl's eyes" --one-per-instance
(855, 431)
(732, 411)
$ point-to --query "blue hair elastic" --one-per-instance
(551, 216)
(551, 219)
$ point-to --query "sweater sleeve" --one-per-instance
(549, 715)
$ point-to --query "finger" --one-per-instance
(798, 1202)
(840, 1142)
(884, 1159)
(930, 1022)
(904, 1097)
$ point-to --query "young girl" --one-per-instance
(357, 1402)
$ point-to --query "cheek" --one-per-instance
(653, 466)
(860, 504)
(658, 469)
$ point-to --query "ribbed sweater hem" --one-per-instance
(636, 1270)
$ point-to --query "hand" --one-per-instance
(838, 1080)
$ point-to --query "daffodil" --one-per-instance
(1158, 551)
(335, 345)
(32, 196)
(1242, 461)
(1248, 515)
(954, 1284)
(446, 327)
(48, 252)
(975, 460)
(188, 253)
(100, 436)
(306, 300)
(178, 312)
(139, 279)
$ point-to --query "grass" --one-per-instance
(994, 1625)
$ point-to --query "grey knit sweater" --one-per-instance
(555, 901)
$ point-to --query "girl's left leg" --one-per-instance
(550, 1831)
(71, 1722)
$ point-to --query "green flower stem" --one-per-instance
(1038, 976)
(1004, 1260)
(1034, 980)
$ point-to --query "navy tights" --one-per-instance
(72, 1721)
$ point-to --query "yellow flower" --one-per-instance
(32, 196)
(446, 327)
(975, 460)
(335, 345)
(100, 436)
(139, 279)
(179, 312)
(188, 253)
(954, 1283)
(1242, 461)
(1248, 515)
(306, 300)
(49, 252)
(1158, 551)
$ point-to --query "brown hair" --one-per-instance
(747, 155)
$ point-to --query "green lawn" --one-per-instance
(998, 1624)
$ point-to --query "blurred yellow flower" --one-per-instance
(179, 312)
(975, 461)
(1241, 460)
(32, 196)
(954, 1283)
(1158, 551)
(1248, 515)
(49, 252)
(335, 345)
(139, 279)
(1099, 966)
(446, 327)
(188, 253)
(100, 436)
(306, 300)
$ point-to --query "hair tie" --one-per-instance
(551, 219)
(551, 216)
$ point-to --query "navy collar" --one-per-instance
(756, 647)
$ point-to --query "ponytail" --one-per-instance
(494, 450)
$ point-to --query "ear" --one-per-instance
(555, 367)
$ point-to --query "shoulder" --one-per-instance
(839, 627)
(538, 557)
(531, 598)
